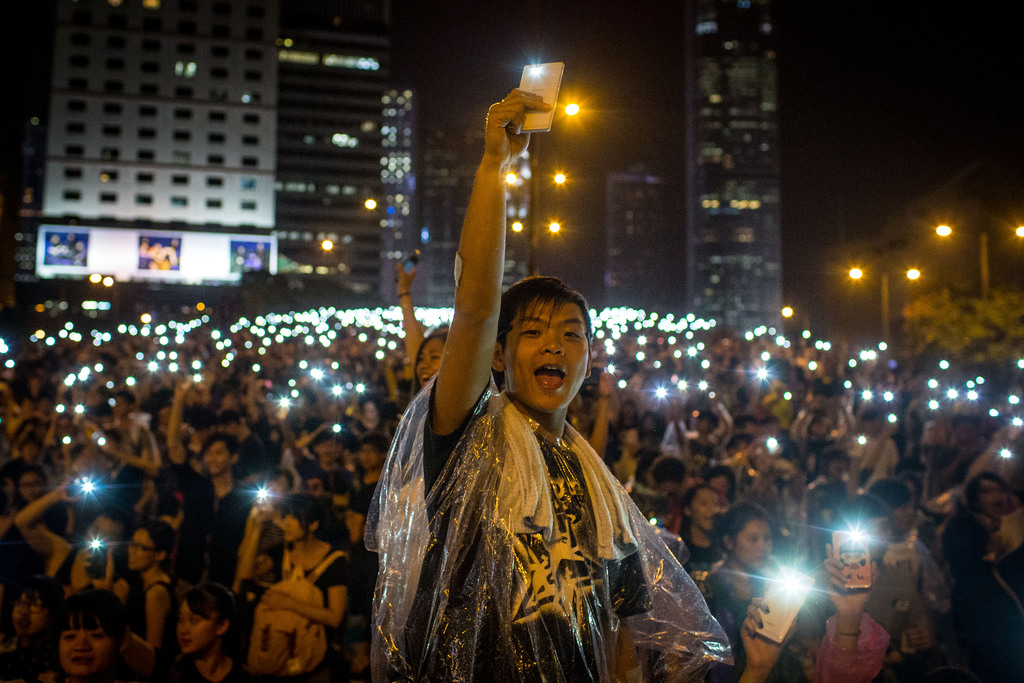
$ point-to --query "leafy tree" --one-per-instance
(977, 331)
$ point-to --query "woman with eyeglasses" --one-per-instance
(151, 603)
(31, 653)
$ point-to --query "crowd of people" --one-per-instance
(193, 494)
(183, 502)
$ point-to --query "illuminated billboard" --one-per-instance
(180, 256)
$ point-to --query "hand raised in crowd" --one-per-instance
(762, 654)
(503, 139)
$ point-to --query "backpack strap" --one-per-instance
(316, 571)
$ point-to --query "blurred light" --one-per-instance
(517, 227)
(972, 395)
(327, 245)
(510, 178)
(108, 281)
(1020, 231)
(862, 439)
(933, 384)
(943, 231)
(1006, 453)
(559, 178)
(573, 109)
(787, 312)
(952, 393)
(866, 395)
(944, 364)
(812, 366)
(856, 273)
(933, 404)
(892, 417)
(370, 204)
(661, 393)
(887, 396)
(554, 227)
(913, 274)
(95, 278)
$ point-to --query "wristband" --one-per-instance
(401, 294)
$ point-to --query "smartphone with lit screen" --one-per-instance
(543, 80)
(784, 597)
(851, 550)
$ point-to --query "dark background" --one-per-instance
(880, 102)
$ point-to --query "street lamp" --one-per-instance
(787, 312)
(983, 260)
(912, 274)
(554, 226)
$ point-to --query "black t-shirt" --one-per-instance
(211, 530)
(554, 576)
(184, 671)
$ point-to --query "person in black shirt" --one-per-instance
(520, 557)
(214, 509)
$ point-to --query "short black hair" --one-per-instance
(668, 468)
(893, 491)
(92, 609)
(229, 441)
(737, 517)
(377, 442)
(47, 589)
(538, 290)
(305, 508)
(214, 601)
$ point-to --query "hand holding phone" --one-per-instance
(543, 80)
(783, 599)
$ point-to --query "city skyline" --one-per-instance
(879, 104)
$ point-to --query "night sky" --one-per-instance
(879, 102)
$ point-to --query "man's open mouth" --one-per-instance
(550, 376)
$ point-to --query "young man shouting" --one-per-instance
(508, 551)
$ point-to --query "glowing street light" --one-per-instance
(559, 178)
(1020, 231)
(327, 245)
(943, 231)
(95, 278)
(787, 312)
(913, 274)
(856, 273)
(370, 203)
(572, 109)
(554, 227)
(517, 226)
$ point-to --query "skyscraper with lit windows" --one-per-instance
(732, 167)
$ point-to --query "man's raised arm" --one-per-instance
(466, 366)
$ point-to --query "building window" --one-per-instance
(248, 182)
(216, 138)
(218, 72)
(185, 69)
(78, 84)
(112, 108)
(251, 118)
(255, 11)
(151, 45)
(214, 203)
(108, 176)
(72, 173)
(215, 160)
(254, 55)
(80, 39)
(108, 197)
(116, 42)
(214, 181)
(186, 27)
(253, 76)
(250, 162)
(81, 17)
(181, 157)
(179, 201)
(75, 127)
(183, 91)
(150, 67)
(152, 24)
(112, 131)
(147, 133)
(250, 140)
(117, 21)
(143, 199)
(113, 86)
(146, 155)
(147, 111)
(218, 95)
(143, 178)
(186, 48)
(179, 179)
(149, 89)
(220, 50)
(248, 205)
(183, 114)
(76, 105)
(221, 31)
(218, 116)
(254, 33)
(182, 135)
(110, 153)
(115, 64)
(79, 61)
(72, 195)
(222, 9)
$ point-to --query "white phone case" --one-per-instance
(543, 80)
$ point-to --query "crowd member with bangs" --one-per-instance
(424, 348)
(700, 510)
(208, 637)
(95, 645)
(31, 654)
(151, 600)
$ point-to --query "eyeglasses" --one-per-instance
(35, 606)
(139, 546)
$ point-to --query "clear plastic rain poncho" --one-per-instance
(526, 561)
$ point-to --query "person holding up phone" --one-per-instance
(508, 551)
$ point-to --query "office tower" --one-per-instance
(161, 141)
(732, 172)
(333, 67)
(399, 234)
(638, 266)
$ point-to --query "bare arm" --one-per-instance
(175, 450)
(331, 615)
(599, 434)
(466, 366)
(51, 547)
(410, 325)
